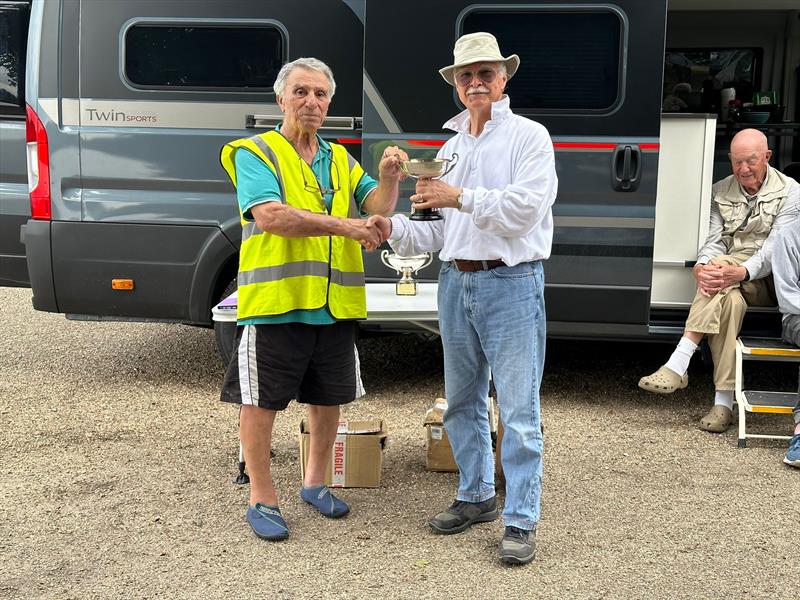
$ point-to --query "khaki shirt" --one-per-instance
(744, 229)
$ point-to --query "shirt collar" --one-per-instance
(750, 197)
(501, 110)
(323, 145)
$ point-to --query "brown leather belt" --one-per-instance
(476, 265)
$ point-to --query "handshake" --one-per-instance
(430, 193)
(371, 232)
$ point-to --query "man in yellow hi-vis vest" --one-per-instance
(301, 282)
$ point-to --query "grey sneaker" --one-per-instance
(462, 514)
(518, 546)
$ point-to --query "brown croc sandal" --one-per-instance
(664, 381)
(717, 420)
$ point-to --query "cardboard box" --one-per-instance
(357, 454)
(439, 454)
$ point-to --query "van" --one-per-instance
(130, 216)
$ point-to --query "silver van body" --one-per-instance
(137, 192)
(136, 98)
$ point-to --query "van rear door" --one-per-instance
(591, 72)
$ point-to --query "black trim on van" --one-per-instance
(14, 17)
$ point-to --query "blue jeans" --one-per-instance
(495, 320)
(791, 334)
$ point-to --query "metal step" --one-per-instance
(769, 402)
(768, 347)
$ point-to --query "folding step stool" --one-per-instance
(763, 349)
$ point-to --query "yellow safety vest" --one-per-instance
(281, 274)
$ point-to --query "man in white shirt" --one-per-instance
(497, 228)
(786, 271)
(733, 270)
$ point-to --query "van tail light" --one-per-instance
(38, 166)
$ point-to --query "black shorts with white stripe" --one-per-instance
(274, 364)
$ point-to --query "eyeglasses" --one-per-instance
(318, 188)
(486, 75)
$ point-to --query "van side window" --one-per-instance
(569, 61)
(203, 57)
(13, 41)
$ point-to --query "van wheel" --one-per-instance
(225, 331)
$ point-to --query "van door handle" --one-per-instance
(331, 123)
(626, 168)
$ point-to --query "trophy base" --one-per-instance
(405, 288)
(426, 214)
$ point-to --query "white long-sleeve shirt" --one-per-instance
(786, 268)
(509, 185)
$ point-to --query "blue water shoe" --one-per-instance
(267, 522)
(320, 497)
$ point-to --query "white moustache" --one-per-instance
(477, 90)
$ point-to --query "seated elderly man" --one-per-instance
(732, 270)
(786, 271)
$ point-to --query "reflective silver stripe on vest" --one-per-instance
(270, 154)
(354, 214)
(347, 278)
(351, 163)
(278, 272)
(250, 228)
(300, 269)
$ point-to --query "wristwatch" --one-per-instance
(458, 198)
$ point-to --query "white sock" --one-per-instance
(679, 361)
(724, 398)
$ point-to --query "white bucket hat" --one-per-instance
(478, 47)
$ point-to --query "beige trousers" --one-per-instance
(720, 318)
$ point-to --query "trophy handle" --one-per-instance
(451, 163)
(384, 254)
(427, 262)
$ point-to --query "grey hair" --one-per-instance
(312, 64)
(501, 68)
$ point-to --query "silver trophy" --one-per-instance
(406, 266)
(427, 168)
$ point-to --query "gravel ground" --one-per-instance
(117, 461)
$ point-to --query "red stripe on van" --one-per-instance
(348, 140)
(583, 146)
(597, 146)
(436, 143)
(556, 145)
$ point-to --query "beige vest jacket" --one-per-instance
(734, 210)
